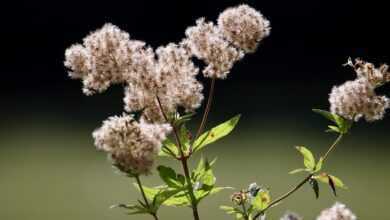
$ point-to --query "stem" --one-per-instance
(294, 189)
(245, 211)
(183, 158)
(206, 111)
(144, 197)
(332, 147)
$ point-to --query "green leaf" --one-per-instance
(333, 128)
(169, 149)
(324, 178)
(232, 210)
(132, 209)
(215, 133)
(308, 158)
(298, 171)
(180, 120)
(185, 137)
(319, 164)
(163, 196)
(169, 176)
(315, 187)
(343, 125)
(262, 200)
(179, 200)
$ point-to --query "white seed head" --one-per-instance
(337, 212)
(244, 27)
(206, 42)
(132, 145)
(105, 58)
(356, 99)
(291, 216)
(172, 79)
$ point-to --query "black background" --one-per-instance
(302, 58)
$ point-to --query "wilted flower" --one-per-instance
(375, 76)
(206, 42)
(291, 216)
(244, 27)
(132, 145)
(239, 197)
(337, 212)
(356, 99)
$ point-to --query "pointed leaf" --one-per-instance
(297, 171)
(319, 164)
(169, 149)
(308, 158)
(215, 133)
(169, 176)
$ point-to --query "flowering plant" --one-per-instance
(162, 93)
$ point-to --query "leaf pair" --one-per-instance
(342, 125)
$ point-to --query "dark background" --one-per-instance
(309, 42)
(47, 158)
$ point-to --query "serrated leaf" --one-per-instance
(315, 187)
(169, 176)
(261, 201)
(215, 133)
(308, 158)
(297, 171)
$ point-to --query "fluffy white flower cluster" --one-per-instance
(244, 27)
(290, 216)
(239, 31)
(156, 80)
(132, 145)
(337, 212)
(356, 99)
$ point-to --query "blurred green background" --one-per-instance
(49, 168)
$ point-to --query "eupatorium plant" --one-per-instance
(161, 94)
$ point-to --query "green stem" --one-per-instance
(154, 214)
(303, 182)
(184, 161)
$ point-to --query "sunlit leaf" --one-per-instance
(308, 158)
(215, 133)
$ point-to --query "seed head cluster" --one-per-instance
(244, 27)
(158, 81)
(132, 145)
(357, 99)
(239, 31)
(337, 212)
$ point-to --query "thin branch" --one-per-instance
(303, 182)
(206, 111)
(144, 197)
